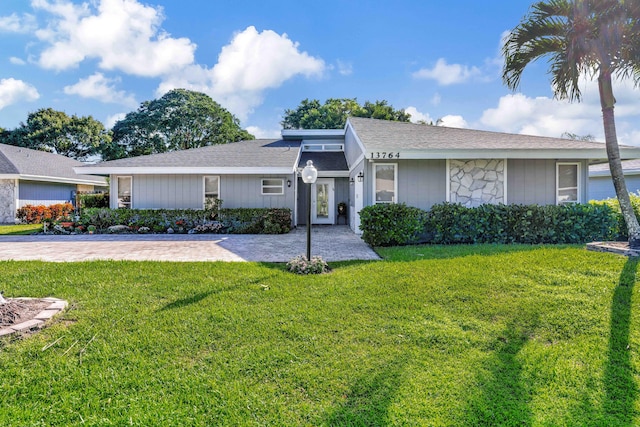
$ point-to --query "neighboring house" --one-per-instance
(369, 161)
(31, 177)
(601, 186)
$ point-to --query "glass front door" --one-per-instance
(322, 201)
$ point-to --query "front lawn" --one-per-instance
(20, 229)
(445, 336)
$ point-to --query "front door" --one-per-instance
(323, 201)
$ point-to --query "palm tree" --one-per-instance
(594, 38)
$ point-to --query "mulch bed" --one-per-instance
(16, 311)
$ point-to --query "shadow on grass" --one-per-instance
(504, 398)
(183, 302)
(367, 402)
(621, 390)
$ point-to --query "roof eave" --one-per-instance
(486, 153)
(61, 180)
(163, 170)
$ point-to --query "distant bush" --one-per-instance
(31, 214)
(93, 200)
(238, 221)
(450, 223)
(620, 231)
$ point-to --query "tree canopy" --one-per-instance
(594, 38)
(179, 120)
(56, 132)
(333, 114)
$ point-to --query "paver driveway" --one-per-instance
(332, 243)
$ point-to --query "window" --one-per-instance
(385, 183)
(124, 192)
(211, 190)
(322, 147)
(567, 183)
(272, 187)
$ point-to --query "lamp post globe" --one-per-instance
(309, 177)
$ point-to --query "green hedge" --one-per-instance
(236, 221)
(620, 231)
(450, 223)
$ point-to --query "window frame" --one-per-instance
(263, 186)
(578, 186)
(395, 183)
(130, 178)
(204, 189)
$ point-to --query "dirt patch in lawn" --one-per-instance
(20, 310)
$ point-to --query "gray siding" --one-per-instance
(421, 183)
(352, 150)
(601, 187)
(533, 181)
(187, 192)
(44, 193)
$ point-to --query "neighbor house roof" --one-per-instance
(630, 167)
(34, 165)
(248, 157)
(423, 141)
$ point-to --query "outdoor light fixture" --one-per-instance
(289, 183)
(360, 176)
(309, 177)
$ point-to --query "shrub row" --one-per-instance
(449, 223)
(620, 229)
(31, 214)
(231, 221)
(93, 200)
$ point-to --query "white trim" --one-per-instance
(448, 181)
(578, 181)
(182, 170)
(505, 199)
(486, 153)
(333, 174)
(263, 186)
(117, 184)
(312, 133)
(204, 189)
(43, 178)
(395, 182)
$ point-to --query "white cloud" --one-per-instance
(436, 99)
(17, 61)
(545, 116)
(17, 24)
(13, 91)
(453, 121)
(344, 68)
(113, 119)
(123, 34)
(97, 86)
(250, 64)
(417, 116)
(260, 133)
(448, 74)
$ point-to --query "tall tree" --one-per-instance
(596, 38)
(54, 131)
(179, 120)
(311, 114)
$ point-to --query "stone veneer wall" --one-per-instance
(7, 201)
(476, 182)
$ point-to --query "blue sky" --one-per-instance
(436, 59)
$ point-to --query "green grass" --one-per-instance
(442, 336)
(19, 229)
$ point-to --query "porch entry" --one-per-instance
(323, 201)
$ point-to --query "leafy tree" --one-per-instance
(310, 114)
(576, 137)
(597, 38)
(179, 120)
(56, 132)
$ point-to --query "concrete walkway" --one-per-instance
(332, 243)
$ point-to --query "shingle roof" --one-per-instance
(33, 163)
(325, 161)
(385, 134)
(628, 166)
(256, 153)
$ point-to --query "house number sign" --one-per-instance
(384, 155)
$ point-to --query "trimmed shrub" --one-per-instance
(452, 223)
(392, 224)
(240, 221)
(93, 200)
(31, 214)
(620, 232)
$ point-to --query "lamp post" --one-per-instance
(309, 177)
